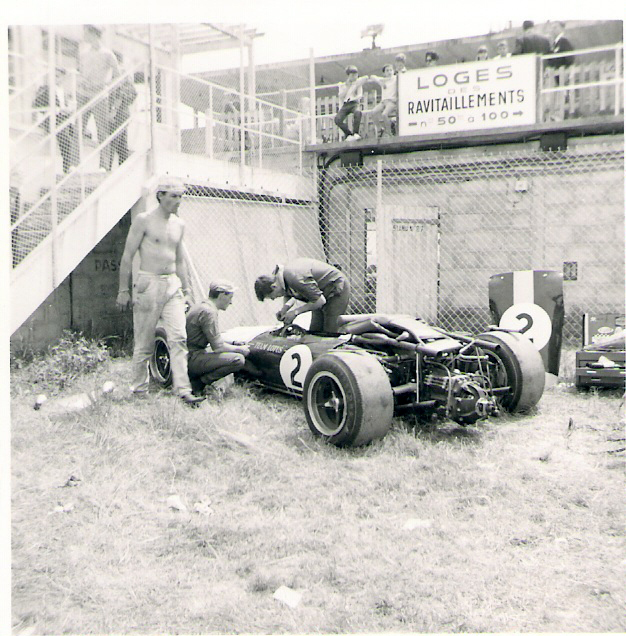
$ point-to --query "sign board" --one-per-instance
(469, 96)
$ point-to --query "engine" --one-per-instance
(461, 396)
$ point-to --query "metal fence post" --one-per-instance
(208, 126)
(242, 107)
(618, 73)
(153, 99)
(52, 115)
(313, 137)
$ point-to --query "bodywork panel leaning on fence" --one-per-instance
(354, 382)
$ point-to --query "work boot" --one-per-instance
(192, 400)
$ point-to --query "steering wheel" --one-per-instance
(291, 330)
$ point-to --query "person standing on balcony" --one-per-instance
(120, 101)
(400, 63)
(388, 104)
(558, 100)
(162, 289)
(322, 287)
(482, 54)
(502, 50)
(561, 44)
(351, 98)
(223, 358)
(431, 58)
(98, 67)
(66, 136)
(531, 41)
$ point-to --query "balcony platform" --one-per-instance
(598, 125)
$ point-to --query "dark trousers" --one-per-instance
(204, 367)
(119, 145)
(68, 147)
(348, 108)
(325, 319)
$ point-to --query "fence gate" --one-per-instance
(408, 260)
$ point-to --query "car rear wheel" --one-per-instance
(348, 399)
(160, 368)
(516, 364)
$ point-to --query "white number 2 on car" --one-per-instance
(294, 365)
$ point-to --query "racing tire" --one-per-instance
(348, 399)
(160, 368)
(520, 366)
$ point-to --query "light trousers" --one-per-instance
(159, 298)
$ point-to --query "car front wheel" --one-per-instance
(348, 399)
(160, 369)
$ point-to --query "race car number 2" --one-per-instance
(294, 365)
(532, 320)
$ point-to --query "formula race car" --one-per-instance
(353, 383)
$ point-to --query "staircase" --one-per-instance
(57, 219)
(46, 251)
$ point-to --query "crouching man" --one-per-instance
(207, 366)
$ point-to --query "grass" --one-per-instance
(513, 525)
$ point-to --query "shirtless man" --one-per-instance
(161, 289)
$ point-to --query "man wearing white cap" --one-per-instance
(161, 290)
(205, 367)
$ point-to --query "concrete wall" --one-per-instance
(84, 301)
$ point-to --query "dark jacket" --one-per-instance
(121, 99)
(561, 45)
(532, 43)
(42, 101)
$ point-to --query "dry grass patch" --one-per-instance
(513, 525)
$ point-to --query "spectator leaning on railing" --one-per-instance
(561, 44)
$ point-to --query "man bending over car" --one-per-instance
(324, 290)
(206, 366)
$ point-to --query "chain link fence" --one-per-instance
(422, 236)
(67, 146)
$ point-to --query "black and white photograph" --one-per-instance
(315, 318)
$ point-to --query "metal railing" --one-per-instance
(42, 195)
(593, 85)
(206, 119)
